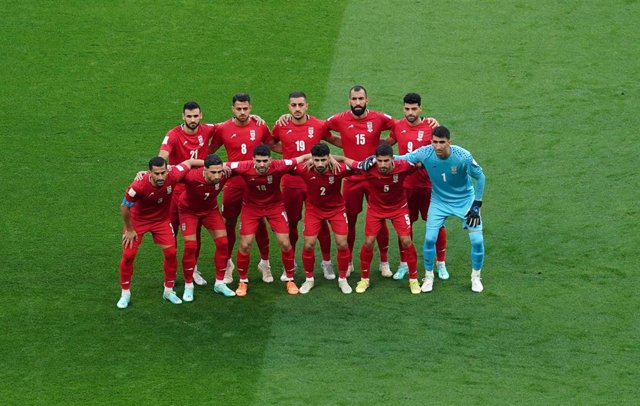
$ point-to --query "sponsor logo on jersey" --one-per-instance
(369, 126)
(252, 135)
(289, 131)
(233, 135)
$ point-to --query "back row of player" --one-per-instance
(359, 131)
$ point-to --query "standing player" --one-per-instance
(386, 201)
(324, 203)
(294, 138)
(240, 136)
(145, 209)
(360, 131)
(451, 168)
(263, 200)
(412, 133)
(189, 140)
(198, 206)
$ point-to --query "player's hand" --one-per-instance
(139, 175)
(367, 163)
(284, 120)
(432, 122)
(128, 238)
(334, 165)
(473, 215)
(257, 119)
(226, 171)
(309, 164)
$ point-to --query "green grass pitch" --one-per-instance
(545, 94)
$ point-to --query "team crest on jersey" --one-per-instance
(331, 180)
(252, 135)
(369, 126)
(200, 140)
(217, 186)
(454, 170)
(420, 135)
(168, 190)
(395, 178)
(310, 131)
(269, 179)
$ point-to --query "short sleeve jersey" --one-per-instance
(182, 146)
(323, 189)
(451, 177)
(200, 195)
(150, 204)
(410, 138)
(297, 139)
(262, 191)
(386, 192)
(239, 142)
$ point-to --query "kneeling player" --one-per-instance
(324, 202)
(386, 201)
(145, 209)
(198, 206)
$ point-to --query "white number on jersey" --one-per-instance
(322, 190)
(385, 189)
(300, 145)
(360, 140)
(262, 188)
(410, 146)
(194, 154)
(206, 195)
(444, 177)
(243, 148)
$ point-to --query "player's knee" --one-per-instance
(405, 242)
(169, 252)
(477, 241)
(342, 245)
(222, 245)
(129, 255)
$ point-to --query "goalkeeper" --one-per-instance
(451, 168)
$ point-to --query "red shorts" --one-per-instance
(313, 219)
(161, 231)
(251, 216)
(293, 200)
(232, 202)
(418, 203)
(190, 220)
(354, 192)
(399, 218)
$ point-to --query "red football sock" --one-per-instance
(344, 257)
(170, 266)
(308, 262)
(403, 255)
(242, 265)
(352, 221)
(287, 262)
(126, 266)
(441, 245)
(231, 233)
(412, 261)
(221, 257)
(189, 259)
(365, 261)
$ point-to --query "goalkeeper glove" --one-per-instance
(473, 215)
(367, 163)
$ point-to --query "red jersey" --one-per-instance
(262, 191)
(410, 138)
(239, 142)
(386, 192)
(200, 195)
(182, 146)
(323, 189)
(297, 139)
(150, 204)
